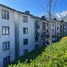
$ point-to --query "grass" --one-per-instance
(54, 55)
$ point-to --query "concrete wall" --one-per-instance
(10, 37)
(30, 35)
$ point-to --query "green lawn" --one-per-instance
(54, 55)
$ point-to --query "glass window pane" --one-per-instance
(7, 30)
(3, 30)
(25, 19)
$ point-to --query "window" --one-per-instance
(25, 30)
(25, 41)
(5, 14)
(6, 45)
(43, 25)
(37, 46)
(37, 24)
(6, 60)
(52, 30)
(47, 24)
(47, 30)
(57, 33)
(57, 28)
(36, 38)
(53, 24)
(5, 30)
(47, 42)
(57, 23)
(25, 19)
(25, 51)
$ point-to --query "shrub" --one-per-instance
(54, 55)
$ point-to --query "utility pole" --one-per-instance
(49, 13)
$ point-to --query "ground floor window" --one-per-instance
(6, 60)
(44, 43)
(37, 46)
(47, 43)
(25, 51)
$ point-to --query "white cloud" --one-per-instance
(62, 14)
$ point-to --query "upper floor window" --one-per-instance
(6, 45)
(37, 24)
(58, 23)
(43, 25)
(53, 24)
(52, 30)
(47, 30)
(5, 30)
(25, 19)
(36, 38)
(47, 24)
(25, 30)
(25, 41)
(57, 33)
(5, 14)
(57, 28)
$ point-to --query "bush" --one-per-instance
(54, 55)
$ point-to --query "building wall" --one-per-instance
(30, 35)
(10, 37)
(65, 28)
(16, 20)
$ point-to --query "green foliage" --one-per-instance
(54, 55)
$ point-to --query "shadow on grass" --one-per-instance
(30, 56)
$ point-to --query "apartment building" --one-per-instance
(7, 36)
(21, 32)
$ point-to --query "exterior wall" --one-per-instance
(10, 37)
(56, 28)
(54, 25)
(37, 32)
(46, 33)
(42, 33)
(16, 20)
(30, 35)
(65, 29)
(61, 29)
